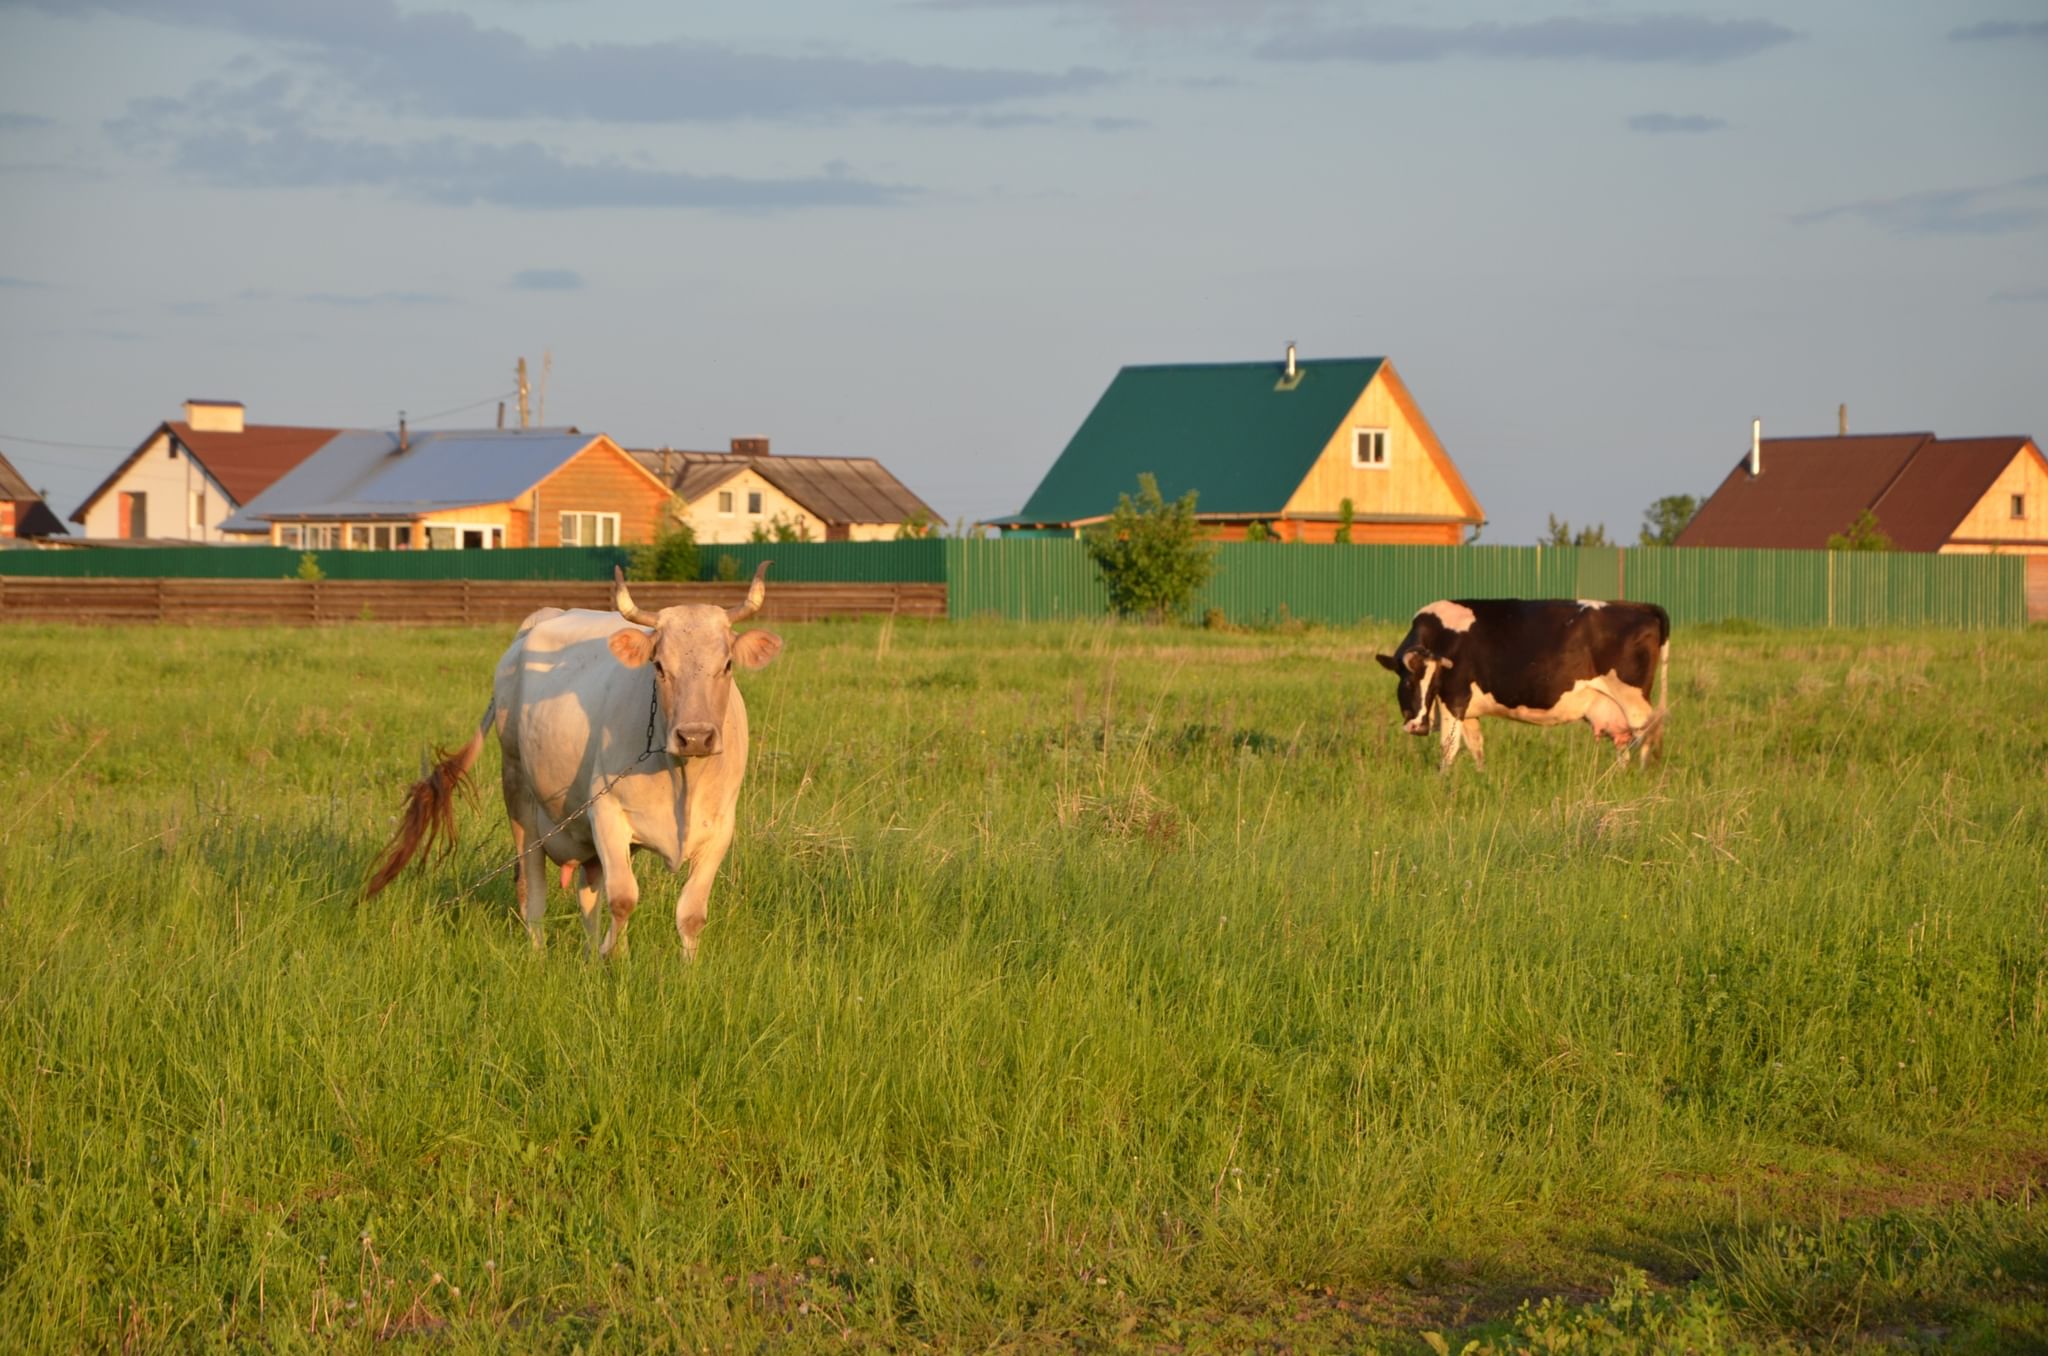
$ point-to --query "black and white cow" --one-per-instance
(1543, 662)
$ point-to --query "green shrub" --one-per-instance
(672, 555)
(309, 568)
(1151, 553)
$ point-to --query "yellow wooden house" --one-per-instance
(1301, 449)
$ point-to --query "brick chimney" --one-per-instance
(750, 447)
(214, 416)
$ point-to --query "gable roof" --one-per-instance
(1236, 433)
(12, 486)
(34, 518)
(362, 474)
(835, 489)
(1920, 487)
(244, 464)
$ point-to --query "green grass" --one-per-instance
(1066, 986)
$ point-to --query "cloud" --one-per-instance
(454, 171)
(441, 63)
(1650, 38)
(2021, 296)
(360, 299)
(2002, 30)
(1662, 123)
(24, 284)
(24, 122)
(547, 280)
(1990, 209)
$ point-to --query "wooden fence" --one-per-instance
(451, 602)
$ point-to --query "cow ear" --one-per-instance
(1446, 662)
(632, 646)
(1389, 663)
(756, 649)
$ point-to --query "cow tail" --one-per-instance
(429, 814)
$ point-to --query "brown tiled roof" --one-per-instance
(12, 486)
(836, 489)
(244, 463)
(1940, 486)
(1919, 486)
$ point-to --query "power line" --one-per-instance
(51, 442)
(442, 414)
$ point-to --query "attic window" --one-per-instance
(1369, 448)
(2019, 506)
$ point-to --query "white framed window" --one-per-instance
(463, 537)
(725, 503)
(359, 537)
(590, 529)
(754, 503)
(288, 534)
(319, 536)
(1369, 448)
(2019, 506)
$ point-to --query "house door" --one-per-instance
(472, 539)
(134, 514)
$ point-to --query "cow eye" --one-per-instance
(657, 668)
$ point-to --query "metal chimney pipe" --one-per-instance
(402, 443)
(1756, 447)
(1290, 362)
(1842, 420)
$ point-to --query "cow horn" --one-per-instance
(757, 593)
(622, 601)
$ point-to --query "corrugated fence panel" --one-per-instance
(1779, 588)
(1040, 579)
(153, 562)
(1339, 585)
(834, 562)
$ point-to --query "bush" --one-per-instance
(727, 568)
(309, 568)
(672, 555)
(1862, 534)
(1150, 553)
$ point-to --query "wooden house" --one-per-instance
(1280, 444)
(189, 476)
(1955, 495)
(460, 490)
(735, 496)
(23, 514)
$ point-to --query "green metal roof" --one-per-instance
(1235, 433)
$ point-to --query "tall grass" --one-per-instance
(1062, 981)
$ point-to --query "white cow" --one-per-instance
(620, 730)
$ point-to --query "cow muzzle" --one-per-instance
(693, 741)
(1419, 725)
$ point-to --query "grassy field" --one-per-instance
(1078, 986)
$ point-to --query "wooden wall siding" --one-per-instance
(1991, 519)
(2037, 588)
(454, 602)
(6, 517)
(599, 479)
(1411, 483)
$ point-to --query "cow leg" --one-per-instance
(586, 900)
(693, 904)
(1451, 732)
(533, 884)
(615, 865)
(1475, 742)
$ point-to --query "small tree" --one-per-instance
(1560, 533)
(1344, 517)
(917, 526)
(309, 568)
(1257, 531)
(1150, 553)
(672, 555)
(1666, 518)
(1862, 534)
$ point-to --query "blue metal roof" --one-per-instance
(362, 474)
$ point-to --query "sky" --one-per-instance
(1595, 239)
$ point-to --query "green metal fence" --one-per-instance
(1052, 579)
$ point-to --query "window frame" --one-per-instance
(1382, 441)
(604, 527)
(725, 504)
(2018, 507)
(753, 503)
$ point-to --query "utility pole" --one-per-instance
(522, 392)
